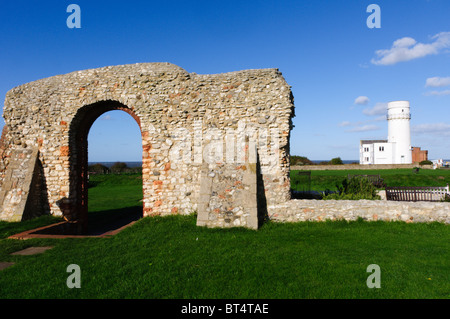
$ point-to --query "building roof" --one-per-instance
(373, 141)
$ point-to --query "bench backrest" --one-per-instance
(413, 194)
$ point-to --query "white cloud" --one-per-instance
(364, 128)
(345, 123)
(406, 49)
(442, 129)
(438, 93)
(363, 65)
(362, 100)
(437, 82)
(367, 125)
(378, 109)
(380, 118)
(106, 117)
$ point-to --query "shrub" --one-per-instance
(354, 188)
(348, 197)
(426, 162)
(300, 160)
(119, 167)
(336, 161)
(446, 198)
(98, 168)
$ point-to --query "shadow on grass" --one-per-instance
(99, 223)
(104, 221)
(93, 183)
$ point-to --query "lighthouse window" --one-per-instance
(402, 110)
(381, 148)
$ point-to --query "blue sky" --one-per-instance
(342, 73)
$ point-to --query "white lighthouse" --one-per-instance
(399, 131)
(397, 148)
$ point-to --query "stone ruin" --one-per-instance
(213, 144)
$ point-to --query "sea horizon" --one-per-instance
(109, 164)
(139, 163)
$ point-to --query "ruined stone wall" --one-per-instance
(370, 210)
(356, 167)
(186, 119)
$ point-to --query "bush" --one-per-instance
(355, 188)
(347, 197)
(119, 167)
(426, 162)
(336, 161)
(300, 160)
(98, 168)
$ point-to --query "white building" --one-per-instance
(397, 148)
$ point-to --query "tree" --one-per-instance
(98, 168)
(300, 160)
(336, 161)
(119, 167)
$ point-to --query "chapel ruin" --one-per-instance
(213, 144)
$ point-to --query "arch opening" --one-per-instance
(77, 210)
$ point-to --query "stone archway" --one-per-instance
(78, 158)
(182, 117)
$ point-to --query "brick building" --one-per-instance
(419, 155)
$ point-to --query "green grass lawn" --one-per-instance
(170, 257)
(112, 197)
(327, 179)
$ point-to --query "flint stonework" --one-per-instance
(183, 117)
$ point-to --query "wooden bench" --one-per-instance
(414, 194)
